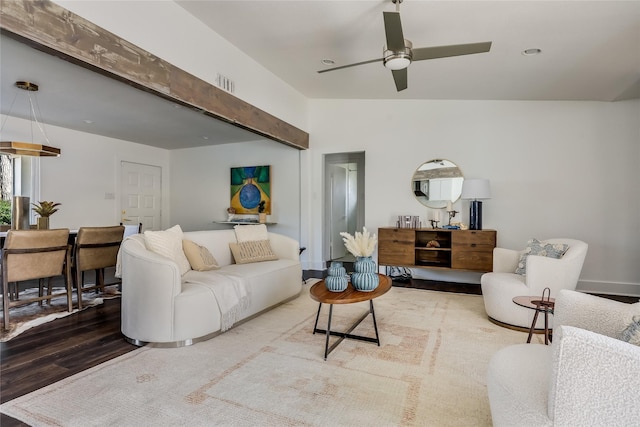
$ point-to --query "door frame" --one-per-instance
(333, 159)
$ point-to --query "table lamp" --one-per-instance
(476, 190)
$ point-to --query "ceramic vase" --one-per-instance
(336, 283)
(365, 278)
(336, 280)
(336, 269)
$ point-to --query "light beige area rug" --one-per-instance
(429, 371)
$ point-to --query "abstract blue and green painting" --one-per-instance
(251, 185)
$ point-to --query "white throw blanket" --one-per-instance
(139, 238)
(229, 291)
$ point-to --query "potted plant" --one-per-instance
(45, 209)
(261, 214)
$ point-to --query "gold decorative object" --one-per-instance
(433, 244)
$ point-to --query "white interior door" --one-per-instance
(141, 190)
(339, 183)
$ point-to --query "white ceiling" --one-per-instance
(590, 51)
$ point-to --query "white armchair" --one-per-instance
(500, 286)
(586, 377)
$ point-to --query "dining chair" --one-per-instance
(96, 248)
(30, 255)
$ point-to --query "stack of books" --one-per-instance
(408, 221)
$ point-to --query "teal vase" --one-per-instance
(336, 280)
(336, 283)
(365, 279)
(336, 269)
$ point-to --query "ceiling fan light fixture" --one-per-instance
(398, 60)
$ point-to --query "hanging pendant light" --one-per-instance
(18, 148)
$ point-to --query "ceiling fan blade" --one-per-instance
(400, 77)
(351, 65)
(393, 31)
(422, 53)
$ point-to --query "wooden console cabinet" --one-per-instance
(456, 249)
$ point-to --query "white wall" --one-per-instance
(166, 30)
(200, 184)
(557, 169)
(87, 169)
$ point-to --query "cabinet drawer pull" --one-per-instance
(473, 245)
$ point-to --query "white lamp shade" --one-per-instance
(476, 189)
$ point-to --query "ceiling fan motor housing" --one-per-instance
(397, 60)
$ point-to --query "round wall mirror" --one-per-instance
(437, 182)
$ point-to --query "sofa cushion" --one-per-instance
(631, 334)
(199, 257)
(168, 243)
(252, 251)
(249, 233)
(540, 248)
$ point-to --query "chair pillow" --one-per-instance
(631, 334)
(199, 257)
(255, 251)
(168, 243)
(536, 247)
(251, 233)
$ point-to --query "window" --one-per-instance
(18, 177)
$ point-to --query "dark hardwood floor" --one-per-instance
(59, 349)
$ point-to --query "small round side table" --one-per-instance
(540, 305)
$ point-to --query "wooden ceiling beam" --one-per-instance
(53, 29)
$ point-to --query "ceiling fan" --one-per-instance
(399, 52)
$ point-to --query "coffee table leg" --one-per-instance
(315, 327)
(326, 345)
(375, 325)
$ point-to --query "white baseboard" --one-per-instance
(609, 288)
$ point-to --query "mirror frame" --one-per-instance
(424, 173)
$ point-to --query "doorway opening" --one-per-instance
(343, 202)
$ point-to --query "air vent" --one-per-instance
(225, 83)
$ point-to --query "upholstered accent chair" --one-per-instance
(503, 283)
(589, 375)
(34, 254)
(96, 248)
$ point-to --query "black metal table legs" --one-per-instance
(342, 335)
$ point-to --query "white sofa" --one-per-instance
(162, 307)
(500, 286)
(587, 377)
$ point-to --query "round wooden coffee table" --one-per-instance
(320, 293)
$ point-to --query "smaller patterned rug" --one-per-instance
(25, 317)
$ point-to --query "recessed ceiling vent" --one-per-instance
(225, 83)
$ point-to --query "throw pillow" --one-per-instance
(255, 251)
(631, 334)
(250, 233)
(536, 247)
(168, 243)
(199, 257)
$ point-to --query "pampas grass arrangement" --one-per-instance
(362, 244)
